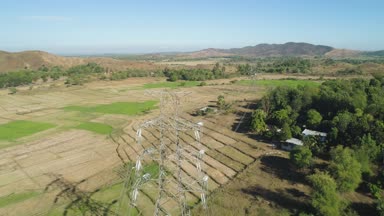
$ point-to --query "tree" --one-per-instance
(316, 146)
(313, 118)
(258, 124)
(220, 102)
(301, 156)
(367, 153)
(218, 71)
(345, 169)
(325, 199)
(380, 206)
(368, 144)
(285, 132)
(280, 117)
(342, 120)
(173, 77)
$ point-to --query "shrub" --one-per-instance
(301, 156)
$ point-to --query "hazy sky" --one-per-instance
(110, 26)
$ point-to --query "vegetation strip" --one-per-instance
(17, 129)
(16, 198)
(96, 127)
(171, 84)
(123, 108)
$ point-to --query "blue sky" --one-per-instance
(141, 26)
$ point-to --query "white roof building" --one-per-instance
(291, 143)
(294, 141)
(307, 132)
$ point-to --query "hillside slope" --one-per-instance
(343, 53)
(35, 59)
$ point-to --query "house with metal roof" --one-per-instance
(321, 135)
(291, 143)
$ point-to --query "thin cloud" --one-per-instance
(47, 18)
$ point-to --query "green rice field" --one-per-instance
(96, 127)
(124, 108)
(15, 198)
(17, 129)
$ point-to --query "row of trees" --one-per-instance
(279, 65)
(352, 66)
(133, 73)
(198, 74)
(75, 75)
(80, 74)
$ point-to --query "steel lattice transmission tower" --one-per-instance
(171, 153)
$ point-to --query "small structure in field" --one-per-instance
(322, 136)
(205, 111)
(291, 143)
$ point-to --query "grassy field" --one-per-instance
(276, 83)
(96, 127)
(17, 129)
(171, 84)
(15, 198)
(124, 108)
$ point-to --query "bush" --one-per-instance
(203, 84)
(301, 156)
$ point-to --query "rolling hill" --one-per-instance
(34, 59)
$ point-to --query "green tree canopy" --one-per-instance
(313, 118)
(258, 124)
(285, 132)
(325, 199)
(345, 169)
(301, 156)
(280, 117)
(367, 152)
(220, 102)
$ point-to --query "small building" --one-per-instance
(321, 135)
(205, 111)
(291, 143)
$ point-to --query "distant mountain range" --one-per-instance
(35, 59)
(287, 49)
